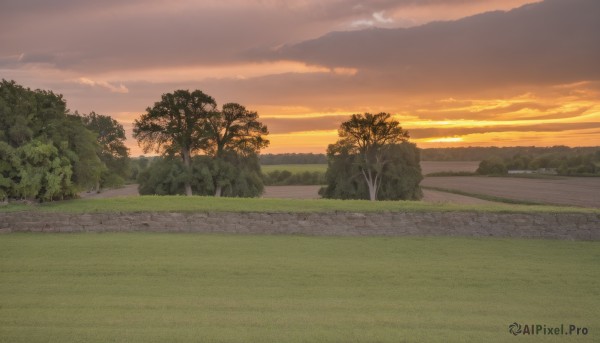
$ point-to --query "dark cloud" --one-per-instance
(117, 35)
(37, 58)
(546, 43)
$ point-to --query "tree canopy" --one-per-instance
(232, 131)
(372, 151)
(46, 152)
(175, 125)
(113, 152)
(185, 124)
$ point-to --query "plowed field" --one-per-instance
(576, 191)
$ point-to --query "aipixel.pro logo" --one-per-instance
(547, 330)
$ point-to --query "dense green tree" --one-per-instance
(43, 173)
(175, 125)
(9, 163)
(49, 152)
(81, 147)
(367, 139)
(113, 152)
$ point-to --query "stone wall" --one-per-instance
(530, 225)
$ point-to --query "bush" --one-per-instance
(239, 176)
(492, 166)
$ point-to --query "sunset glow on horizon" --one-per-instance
(454, 74)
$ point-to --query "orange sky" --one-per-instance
(454, 73)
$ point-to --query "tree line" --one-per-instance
(482, 153)
(567, 162)
(48, 153)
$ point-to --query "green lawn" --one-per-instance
(198, 203)
(294, 168)
(146, 287)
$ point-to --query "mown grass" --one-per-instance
(295, 168)
(208, 204)
(208, 288)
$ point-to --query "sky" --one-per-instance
(453, 72)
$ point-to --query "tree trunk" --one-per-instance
(372, 184)
(187, 162)
(188, 188)
(218, 191)
(372, 192)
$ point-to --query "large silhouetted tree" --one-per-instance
(367, 140)
(232, 131)
(176, 126)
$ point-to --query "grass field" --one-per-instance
(294, 168)
(210, 288)
(198, 203)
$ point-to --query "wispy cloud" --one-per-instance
(377, 19)
(103, 84)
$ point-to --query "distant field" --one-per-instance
(292, 192)
(210, 288)
(426, 166)
(573, 191)
(295, 168)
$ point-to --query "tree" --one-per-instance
(113, 152)
(43, 173)
(368, 137)
(399, 179)
(233, 130)
(176, 125)
(9, 165)
(47, 153)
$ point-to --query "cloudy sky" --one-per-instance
(453, 72)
